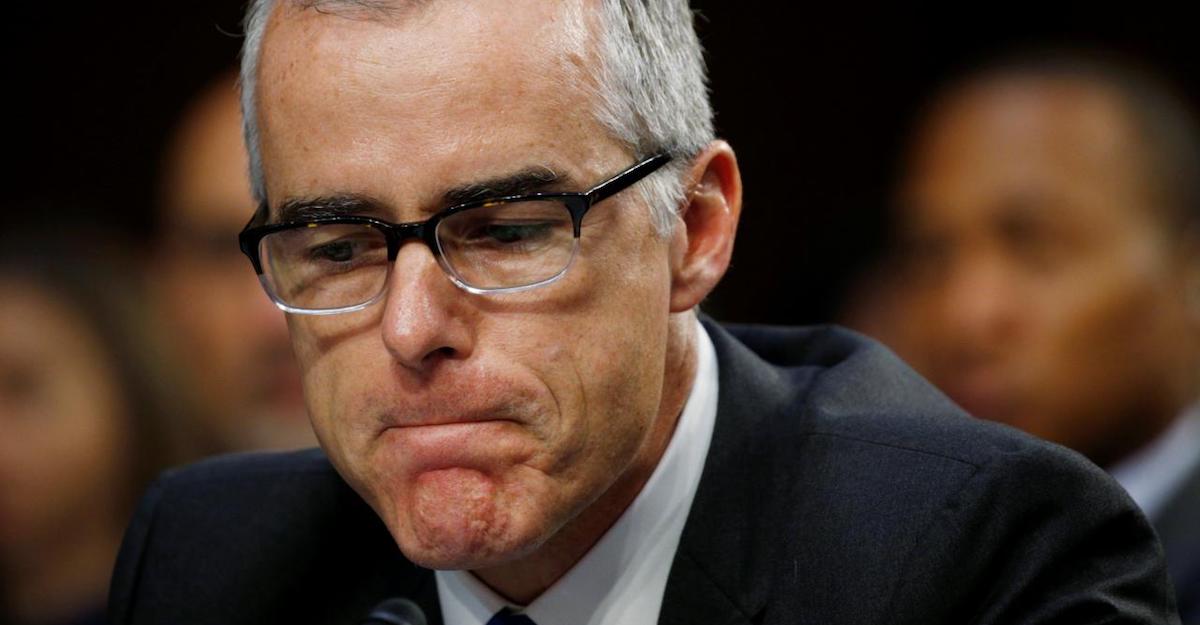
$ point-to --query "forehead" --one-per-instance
(433, 92)
(1058, 143)
(205, 181)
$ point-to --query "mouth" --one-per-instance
(467, 428)
(479, 444)
(457, 418)
(448, 432)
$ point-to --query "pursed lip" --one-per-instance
(447, 418)
(472, 441)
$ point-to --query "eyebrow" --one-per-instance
(340, 205)
(524, 182)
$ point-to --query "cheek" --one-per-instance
(1098, 342)
(68, 468)
(335, 372)
(209, 317)
(619, 375)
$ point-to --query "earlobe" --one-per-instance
(703, 242)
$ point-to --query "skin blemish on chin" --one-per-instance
(455, 508)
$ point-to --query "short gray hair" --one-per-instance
(652, 89)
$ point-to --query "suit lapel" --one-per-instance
(721, 572)
(694, 596)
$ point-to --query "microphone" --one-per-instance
(395, 611)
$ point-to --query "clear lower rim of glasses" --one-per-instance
(450, 274)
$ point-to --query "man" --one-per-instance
(522, 398)
(1050, 233)
(231, 342)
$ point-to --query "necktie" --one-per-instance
(507, 617)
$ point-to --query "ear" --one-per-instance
(702, 242)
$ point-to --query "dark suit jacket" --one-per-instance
(1178, 526)
(840, 488)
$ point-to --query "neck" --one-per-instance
(526, 579)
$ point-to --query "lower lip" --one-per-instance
(468, 444)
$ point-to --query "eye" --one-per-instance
(924, 257)
(507, 228)
(20, 383)
(349, 248)
(336, 251)
(511, 232)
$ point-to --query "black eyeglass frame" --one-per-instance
(577, 203)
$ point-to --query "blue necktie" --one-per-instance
(507, 617)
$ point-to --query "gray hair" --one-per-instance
(652, 91)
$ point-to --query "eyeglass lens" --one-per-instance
(496, 246)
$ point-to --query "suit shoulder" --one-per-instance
(242, 493)
(835, 437)
(259, 538)
(859, 400)
(833, 382)
(856, 419)
(254, 465)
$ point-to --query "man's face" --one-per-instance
(475, 426)
(233, 341)
(1041, 290)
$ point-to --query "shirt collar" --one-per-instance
(621, 580)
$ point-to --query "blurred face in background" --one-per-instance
(232, 340)
(1042, 288)
(64, 439)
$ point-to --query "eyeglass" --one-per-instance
(331, 265)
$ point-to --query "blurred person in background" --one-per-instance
(231, 340)
(1049, 272)
(87, 419)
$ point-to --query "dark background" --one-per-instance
(813, 98)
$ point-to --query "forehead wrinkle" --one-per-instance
(364, 61)
(362, 9)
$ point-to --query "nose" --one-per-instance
(980, 307)
(426, 318)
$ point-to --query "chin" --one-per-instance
(456, 519)
(452, 549)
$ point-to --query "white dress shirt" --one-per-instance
(1154, 473)
(621, 580)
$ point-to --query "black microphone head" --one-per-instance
(395, 611)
